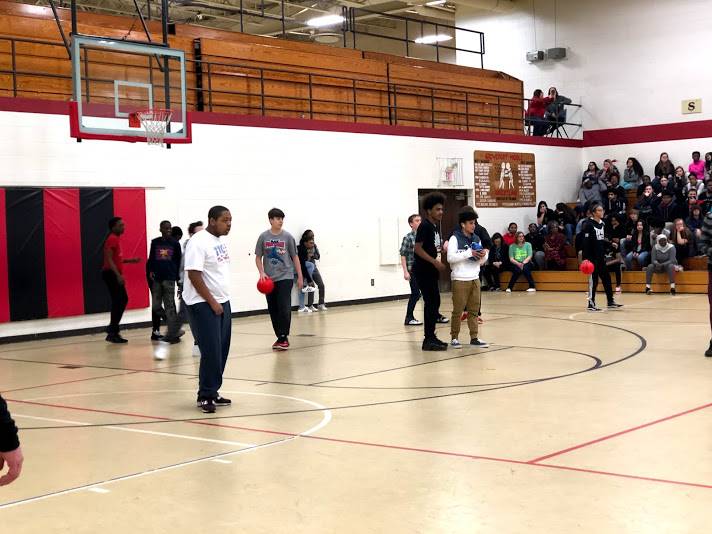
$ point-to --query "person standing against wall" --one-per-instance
(407, 256)
(207, 294)
(112, 273)
(427, 267)
(10, 451)
(276, 257)
(163, 267)
(193, 228)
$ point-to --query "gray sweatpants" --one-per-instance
(660, 268)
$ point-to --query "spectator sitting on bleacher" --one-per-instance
(566, 219)
(629, 227)
(666, 209)
(520, 259)
(497, 262)
(555, 248)
(662, 185)
(708, 167)
(694, 221)
(641, 188)
(613, 184)
(607, 171)
(633, 174)
(664, 167)
(657, 228)
(613, 205)
(614, 262)
(705, 198)
(615, 230)
(544, 215)
(693, 183)
(638, 247)
(663, 259)
(591, 171)
(683, 240)
(536, 111)
(697, 166)
(646, 204)
(556, 109)
(535, 237)
(511, 234)
(591, 190)
(583, 213)
(689, 203)
(678, 182)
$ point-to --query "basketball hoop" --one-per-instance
(155, 122)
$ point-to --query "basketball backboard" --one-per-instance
(113, 79)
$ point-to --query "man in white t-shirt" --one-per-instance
(207, 294)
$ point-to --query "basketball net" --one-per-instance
(155, 122)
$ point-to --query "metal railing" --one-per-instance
(258, 90)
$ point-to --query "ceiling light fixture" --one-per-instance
(430, 39)
(326, 20)
(435, 3)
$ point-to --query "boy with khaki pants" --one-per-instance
(465, 256)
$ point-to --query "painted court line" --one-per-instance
(290, 435)
(622, 432)
(70, 381)
(139, 431)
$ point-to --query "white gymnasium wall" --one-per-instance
(338, 184)
(629, 62)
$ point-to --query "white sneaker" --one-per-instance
(455, 344)
(313, 308)
(508, 290)
(303, 309)
(308, 289)
(196, 351)
(531, 290)
(322, 307)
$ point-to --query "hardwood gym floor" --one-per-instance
(569, 422)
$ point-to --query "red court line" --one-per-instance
(611, 436)
(382, 445)
(68, 382)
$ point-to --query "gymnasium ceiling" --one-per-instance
(224, 14)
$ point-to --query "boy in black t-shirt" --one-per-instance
(427, 267)
(593, 247)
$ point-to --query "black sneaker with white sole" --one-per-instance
(593, 308)
(614, 305)
(207, 405)
(477, 342)
(222, 401)
(442, 320)
(412, 322)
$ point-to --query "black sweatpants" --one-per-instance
(279, 304)
(213, 333)
(119, 300)
(600, 271)
(428, 284)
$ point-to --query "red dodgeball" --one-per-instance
(586, 267)
(265, 285)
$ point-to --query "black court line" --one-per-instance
(640, 349)
(407, 366)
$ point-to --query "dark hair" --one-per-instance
(496, 235)
(594, 206)
(113, 221)
(512, 223)
(696, 152)
(637, 167)
(708, 164)
(466, 214)
(595, 165)
(165, 222)
(538, 206)
(216, 211)
(192, 226)
(433, 199)
(410, 219)
(176, 232)
(275, 213)
(692, 174)
(566, 210)
(538, 93)
(308, 235)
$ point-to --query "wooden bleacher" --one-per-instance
(247, 74)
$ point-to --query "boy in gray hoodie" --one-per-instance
(663, 260)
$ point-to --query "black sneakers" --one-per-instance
(593, 308)
(434, 345)
(612, 305)
(207, 405)
(171, 340)
(708, 352)
(222, 401)
(156, 336)
(442, 320)
(672, 291)
(116, 338)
